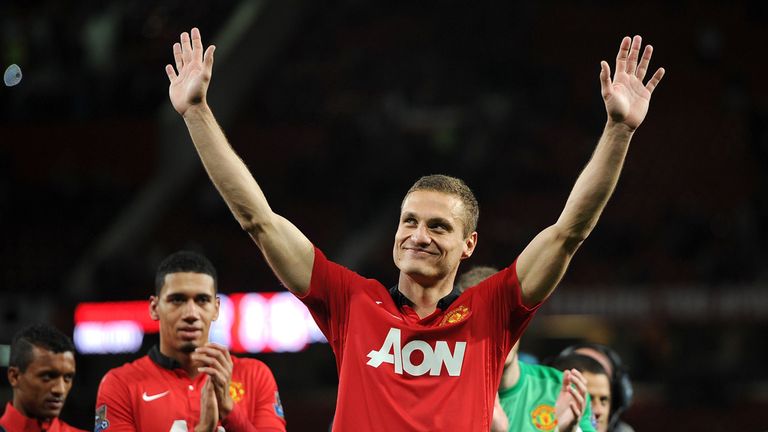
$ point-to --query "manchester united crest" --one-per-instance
(236, 390)
(455, 315)
(543, 417)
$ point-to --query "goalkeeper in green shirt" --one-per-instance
(535, 398)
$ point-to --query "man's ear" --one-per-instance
(469, 245)
(153, 308)
(13, 376)
(218, 307)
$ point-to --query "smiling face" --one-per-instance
(185, 307)
(430, 241)
(40, 391)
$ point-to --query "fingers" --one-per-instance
(634, 54)
(621, 57)
(197, 44)
(170, 72)
(186, 48)
(208, 57)
(605, 78)
(177, 56)
(655, 79)
(643, 67)
(217, 363)
(578, 380)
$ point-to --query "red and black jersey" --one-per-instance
(153, 394)
(399, 372)
(14, 421)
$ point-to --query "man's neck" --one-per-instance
(425, 297)
(183, 359)
(19, 407)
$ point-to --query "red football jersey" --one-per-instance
(152, 394)
(14, 421)
(398, 372)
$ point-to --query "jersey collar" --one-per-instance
(14, 420)
(163, 360)
(401, 300)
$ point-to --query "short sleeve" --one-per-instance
(113, 406)
(261, 408)
(328, 296)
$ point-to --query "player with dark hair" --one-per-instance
(621, 385)
(598, 384)
(188, 383)
(41, 369)
(534, 397)
(401, 351)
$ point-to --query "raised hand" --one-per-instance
(571, 401)
(626, 97)
(189, 81)
(217, 364)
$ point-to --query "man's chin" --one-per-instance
(188, 347)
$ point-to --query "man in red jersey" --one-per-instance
(188, 383)
(418, 356)
(41, 369)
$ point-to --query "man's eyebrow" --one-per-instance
(440, 220)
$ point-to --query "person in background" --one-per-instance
(41, 369)
(186, 382)
(534, 397)
(598, 384)
(621, 385)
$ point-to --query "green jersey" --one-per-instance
(530, 404)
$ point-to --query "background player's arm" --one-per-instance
(287, 251)
(544, 261)
(113, 406)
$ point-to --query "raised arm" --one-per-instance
(288, 252)
(544, 261)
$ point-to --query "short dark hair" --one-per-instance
(452, 186)
(474, 276)
(184, 261)
(42, 336)
(579, 362)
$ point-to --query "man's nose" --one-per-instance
(420, 235)
(191, 312)
(59, 387)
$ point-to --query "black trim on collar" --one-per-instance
(401, 300)
(163, 360)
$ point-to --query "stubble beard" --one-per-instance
(188, 347)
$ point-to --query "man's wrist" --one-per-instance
(197, 110)
(618, 128)
(226, 408)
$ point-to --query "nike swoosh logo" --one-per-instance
(148, 398)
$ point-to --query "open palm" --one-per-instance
(626, 97)
(189, 81)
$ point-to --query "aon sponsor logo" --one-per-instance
(390, 352)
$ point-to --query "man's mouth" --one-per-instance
(419, 251)
(189, 332)
(54, 404)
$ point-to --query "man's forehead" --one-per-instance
(433, 204)
(188, 283)
(43, 358)
(597, 382)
